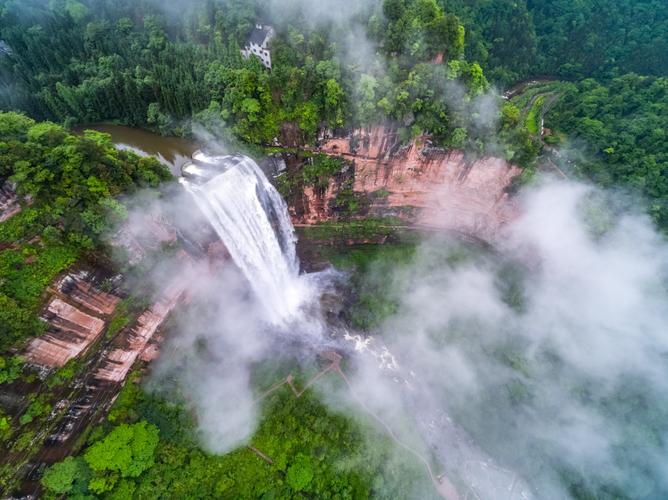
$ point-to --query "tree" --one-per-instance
(300, 473)
(128, 450)
(367, 99)
(333, 98)
(60, 478)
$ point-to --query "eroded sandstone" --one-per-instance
(423, 185)
(120, 360)
(144, 234)
(75, 315)
(70, 332)
(77, 289)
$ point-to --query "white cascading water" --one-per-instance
(252, 220)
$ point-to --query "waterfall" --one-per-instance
(252, 220)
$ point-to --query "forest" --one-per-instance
(135, 63)
(620, 134)
(434, 70)
(147, 448)
(564, 39)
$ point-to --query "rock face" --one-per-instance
(143, 234)
(9, 202)
(81, 291)
(119, 361)
(75, 316)
(314, 205)
(422, 185)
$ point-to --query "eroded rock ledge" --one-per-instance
(75, 316)
(423, 185)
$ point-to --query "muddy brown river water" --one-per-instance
(172, 151)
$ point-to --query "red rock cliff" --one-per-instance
(423, 185)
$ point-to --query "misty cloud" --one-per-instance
(510, 368)
(543, 382)
(340, 13)
(220, 336)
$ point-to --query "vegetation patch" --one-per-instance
(534, 116)
(619, 130)
(353, 229)
(73, 182)
(150, 452)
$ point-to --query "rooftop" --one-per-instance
(259, 35)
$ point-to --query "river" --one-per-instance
(172, 151)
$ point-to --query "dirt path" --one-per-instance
(443, 486)
(553, 166)
(551, 98)
(520, 87)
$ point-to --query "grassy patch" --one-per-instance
(370, 228)
(533, 118)
(38, 408)
(25, 273)
(28, 271)
(10, 369)
(19, 226)
(65, 373)
(120, 319)
(373, 271)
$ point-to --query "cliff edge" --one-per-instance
(420, 184)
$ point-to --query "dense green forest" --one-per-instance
(147, 448)
(82, 62)
(619, 135)
(518, 39)
(135, 63)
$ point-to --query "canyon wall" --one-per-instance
(75, 316)
(422, 185)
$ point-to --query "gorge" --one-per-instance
(461, 334)
(422, 185)
(334, 249)
(252, 221)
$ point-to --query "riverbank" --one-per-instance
(173, 152)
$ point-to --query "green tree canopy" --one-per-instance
(128, 450)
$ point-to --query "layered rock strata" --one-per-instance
(423, 185)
